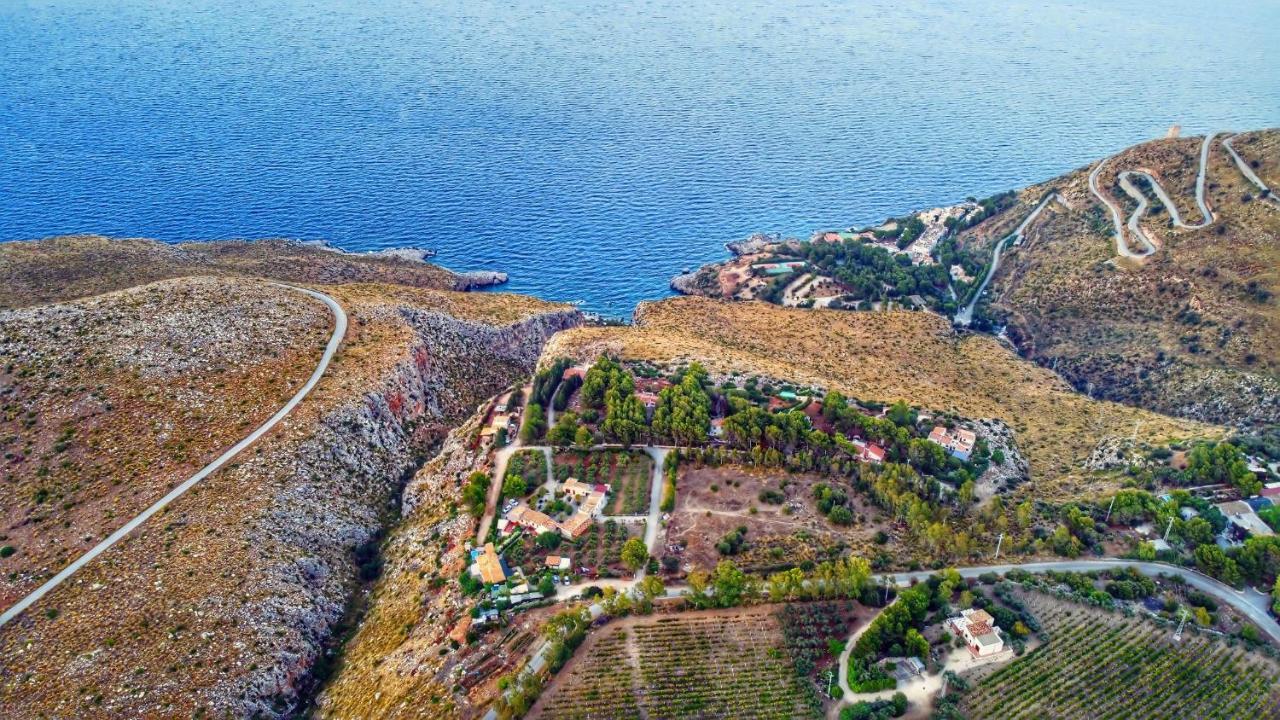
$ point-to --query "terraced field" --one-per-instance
(705, 665)
(1106, 666)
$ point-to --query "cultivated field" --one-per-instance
(724, 664)
(630, 474)
(1106, 666)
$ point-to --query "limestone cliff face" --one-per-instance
(347, 472)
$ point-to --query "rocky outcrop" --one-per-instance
(478, 279)
(1014, 470)
(758, 242)
(686, 283)
(346, 480)
(1216, 395)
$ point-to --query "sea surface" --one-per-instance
(590, 148)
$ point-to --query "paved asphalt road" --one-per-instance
(965, 316)
(339, 330)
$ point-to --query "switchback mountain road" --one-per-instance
(339, 331)
(1125, 179)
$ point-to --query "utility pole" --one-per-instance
(887, 581)
(1177, 636)
(999, 542)
(1113, 504)
(1167, 529)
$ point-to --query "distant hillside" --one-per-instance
(69, 267)
(1193, 329)
(1180, 318)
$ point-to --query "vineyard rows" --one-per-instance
(1107, 667)
(703, 666)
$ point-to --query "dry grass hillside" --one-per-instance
(889, 356)
(219, 606)
(1194, 329)
(64, 268)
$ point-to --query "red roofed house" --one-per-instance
(959, 443)
(979, 631)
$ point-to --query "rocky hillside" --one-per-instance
(109, 402)
(1192, 330)
(888, 356)
(393, 666)
(220, 605)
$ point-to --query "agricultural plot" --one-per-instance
(728, 664)
(627, 472)
(601, 546)
(1110, 667)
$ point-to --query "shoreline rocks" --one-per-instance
(473, 279)
(757, 242)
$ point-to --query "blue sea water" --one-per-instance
(590, 148)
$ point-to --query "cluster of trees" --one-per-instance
(847, 578)
(541, 395)
(873, 273)
(733, 541)
(834, 503)
(608, 387)
(1222, 462)
(684, 409)
(896, 630)
(670, 469)
(569, 430)
(729, 586)
(876, 709)
(475, 493)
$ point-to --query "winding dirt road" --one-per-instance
(1125, 179)
(339, 330)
